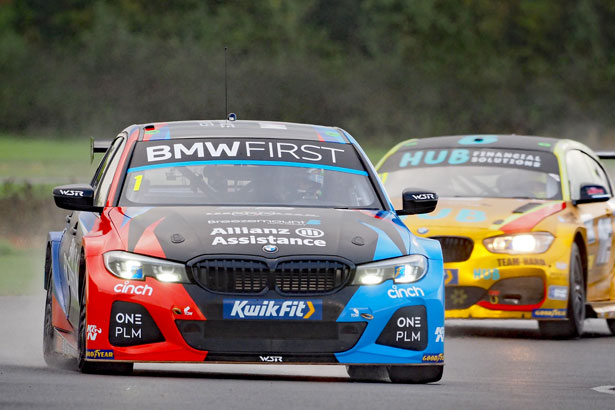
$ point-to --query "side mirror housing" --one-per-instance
(417, 201)
(78, 197)
(592, 193)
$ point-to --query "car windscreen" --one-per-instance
(474, 172)
(247, 172)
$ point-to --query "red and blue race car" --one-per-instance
(242, 242)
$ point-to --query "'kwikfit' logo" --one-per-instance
(272, 309)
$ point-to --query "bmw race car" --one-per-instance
(525, 224)
(242, 242)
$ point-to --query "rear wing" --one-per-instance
(98, 147)
(607, 158)
(606, 154)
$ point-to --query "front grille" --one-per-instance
(309, 276)
(232, 275)
(236, 336)
(285, 275)
(455, 248)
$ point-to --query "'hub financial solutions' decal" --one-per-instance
(507, 158)
(267, 236)
(272, 309)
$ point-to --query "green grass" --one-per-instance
(45, 161)
(21, 271)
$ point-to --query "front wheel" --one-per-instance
(416, 374)
(50, 354)
(83, 365)
(611, 324)
(572, 327)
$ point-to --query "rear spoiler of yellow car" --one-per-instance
(98, 147)
(606, 154)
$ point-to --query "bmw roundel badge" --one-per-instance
(270, 248)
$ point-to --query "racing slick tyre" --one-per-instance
(367, 373)
(415, 374)
(572, 327)
(611, 324)
(83, 365)
(51, 356)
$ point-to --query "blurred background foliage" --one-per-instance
(385, 70)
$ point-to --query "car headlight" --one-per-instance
(131, 266)
(534, 242)
(406, 269)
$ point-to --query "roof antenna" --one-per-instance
(225, 86)
(229, 115)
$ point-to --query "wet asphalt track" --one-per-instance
(489, 365)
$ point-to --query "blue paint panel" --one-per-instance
(60, 283)
(378, 302)
(243, 162)
(385, 247)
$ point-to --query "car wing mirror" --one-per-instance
(592, 193)
(417, 201)
(79, 197)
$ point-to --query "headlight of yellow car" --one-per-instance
(533, 242)
(406, 269)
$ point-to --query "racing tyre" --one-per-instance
(367, 373)
(572, 327)
(611, 324)
(51, 356)
(415, 374)
(83, 365)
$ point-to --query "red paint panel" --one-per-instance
(148, 243)
(527, 222)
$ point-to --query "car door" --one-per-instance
(80, 223)
(599, 222)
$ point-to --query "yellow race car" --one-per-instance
(525, 223)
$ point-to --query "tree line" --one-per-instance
(383, 69)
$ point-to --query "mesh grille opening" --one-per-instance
(455, 248)
(294, 276)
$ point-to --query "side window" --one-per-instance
(106, 170)
(583, 169)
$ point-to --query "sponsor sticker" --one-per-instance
(439, 334)
(129, 289)
(521, 261)
(558, 292)
(242, 235)
(488, 274)
(451, 276)
(272, 309)
(92, 331)
(433, 358)
(405, 292)
(549, 313)
(99, 354)
(271, 359)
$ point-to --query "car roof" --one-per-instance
(511, 141)
(241, 129)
